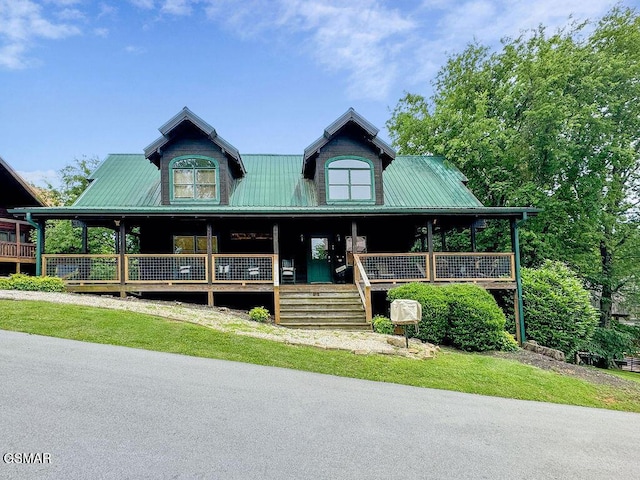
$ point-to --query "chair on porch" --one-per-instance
(223, 272)
(287, 271)
(253, 273)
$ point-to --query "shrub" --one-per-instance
(465, 316)
(259, 314)
(19, 281)
(476, 323)
(507, 343)
(557, 310)
(382, 324)
(609, 344)
(435, 310)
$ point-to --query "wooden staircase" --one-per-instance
(322, 306)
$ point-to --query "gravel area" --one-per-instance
(226, 320)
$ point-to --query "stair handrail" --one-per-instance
(360, 276)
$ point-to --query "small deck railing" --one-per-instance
(447, 267)
(17, 250)
(363, 284)
(162, 269)
(459, 267)
(392, 267)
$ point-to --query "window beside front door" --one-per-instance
(193, 244)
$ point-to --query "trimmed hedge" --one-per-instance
(463, 315)
(434, 325)
(476, 322)
(557, 308)
(19, 281)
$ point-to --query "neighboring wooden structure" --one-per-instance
(17, 252)
(346, 211)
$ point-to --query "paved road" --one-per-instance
(112, 412)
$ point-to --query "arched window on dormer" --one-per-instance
(349, 179)
(194, 178)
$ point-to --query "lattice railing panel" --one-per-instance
(396, 267)
(243, 268)
(167, 268)
(81, 268)
(481, 266)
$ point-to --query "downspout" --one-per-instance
(38, 228)
(516, 251)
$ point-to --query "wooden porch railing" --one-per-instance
(394, 267)
(162, 269)
(363, 284)
(460, 267)
(447, 267)
(17, 250)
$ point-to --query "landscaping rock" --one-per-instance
(533, 346)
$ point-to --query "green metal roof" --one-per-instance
(274, 182)
(122, 180)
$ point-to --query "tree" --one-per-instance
(74, 179)
(61, 236)
(550, 121)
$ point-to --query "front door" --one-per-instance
(318, 261)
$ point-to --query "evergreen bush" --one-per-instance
(464, 316)
(435, 310)
(476, 323)
(557, 309)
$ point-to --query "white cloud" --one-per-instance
(21, 23)
(135, 50)
(363, 38)
(146, 4)
(40, 178)
(177, 7)
(101, 32)
(70, 14)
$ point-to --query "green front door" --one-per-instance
(318, 261)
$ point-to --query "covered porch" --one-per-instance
(16, 251)
(230, 254)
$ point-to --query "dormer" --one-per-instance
(347, 162)
(197, 165)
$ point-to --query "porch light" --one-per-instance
(301, 238)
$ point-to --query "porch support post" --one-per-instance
(40, 227)
(18, 247)
(518, 307)
(85, 239)
(354, 237)
(122, 247)
(473, 236)
(276, 272)
(210, 265)
(432, 260)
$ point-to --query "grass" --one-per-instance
(450, 370)
(633, 376)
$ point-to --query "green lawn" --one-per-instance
(449, 370)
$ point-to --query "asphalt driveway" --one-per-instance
(110, 412)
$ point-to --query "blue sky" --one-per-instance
(82, 77)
